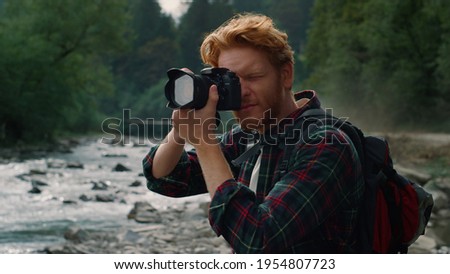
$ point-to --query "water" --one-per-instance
(30, 222)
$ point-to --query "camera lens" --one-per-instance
(184, 90)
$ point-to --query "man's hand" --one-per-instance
(198, 127)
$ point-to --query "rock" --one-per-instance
(136, 184)
(424, 244)
(84, 198)
(105, 198)
(165, 237)
(441, 201)
(205, 208)
(100, 185)
(114, 155)
(444, 250)
(444, 214)
(121, 168)
(24, 177)
(68, 248)
(76, 234)
(441, 230)
(144, 212)
(56, 164)
(37, 183)
(35, 190)
(37, 172)
(75, 165)
(417, 176)
(130, 236)
(171, 235)
(443, 184)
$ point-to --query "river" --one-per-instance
(74, 186)
(31, 221)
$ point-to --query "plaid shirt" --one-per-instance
(311, 208)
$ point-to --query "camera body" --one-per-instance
(188, 90)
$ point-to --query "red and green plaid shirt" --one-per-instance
(311, 208)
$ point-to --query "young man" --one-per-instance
(310, 208)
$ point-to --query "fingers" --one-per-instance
(187, 70)
(182, 116)
(213, 98)
(196, 125)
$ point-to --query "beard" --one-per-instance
(264, 120)
(267, 112)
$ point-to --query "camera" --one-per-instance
(188, 90)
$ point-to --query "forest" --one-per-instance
(66, 66)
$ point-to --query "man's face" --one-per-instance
(263, 87)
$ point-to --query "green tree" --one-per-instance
(203, 16)
(52, 63)
(250, 6)
(293, 16)
(403, 54)
(153, 36)
(382, 59)
(442, 9)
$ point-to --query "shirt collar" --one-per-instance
(272, 135)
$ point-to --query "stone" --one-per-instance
(121, 168)
(35, 190)
(76, 234)
(37, 172)
(423, 245)
(100, 185)
(75, 165)
(84, 198)
(105, 198)
(114, 155)
(414, 175)
(38, 183)
(136, 184)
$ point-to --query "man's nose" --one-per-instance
(245, 91)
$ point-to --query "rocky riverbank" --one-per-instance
(182, 230)
(99, 191)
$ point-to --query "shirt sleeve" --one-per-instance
(185, 180)
(319, 180)
(187, 177)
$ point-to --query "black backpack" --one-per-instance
(394, 211)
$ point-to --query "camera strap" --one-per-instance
(247, 154)
(260, 143)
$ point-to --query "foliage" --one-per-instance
(152, 103)
(293, 16)
(65, 65)
(51, 63)
(384, 59)
(152, 35)
(203, 16)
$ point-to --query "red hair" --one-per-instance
(248, 30)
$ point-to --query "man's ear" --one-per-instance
(287, 75)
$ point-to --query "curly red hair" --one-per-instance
(248, 30)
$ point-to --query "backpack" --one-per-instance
(395, 210)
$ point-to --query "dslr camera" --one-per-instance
(188, 90)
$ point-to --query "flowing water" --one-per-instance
(30, 222)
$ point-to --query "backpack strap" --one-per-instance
(316, 116)
(247, 154)
(317, 112)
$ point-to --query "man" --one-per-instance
(310, 208)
